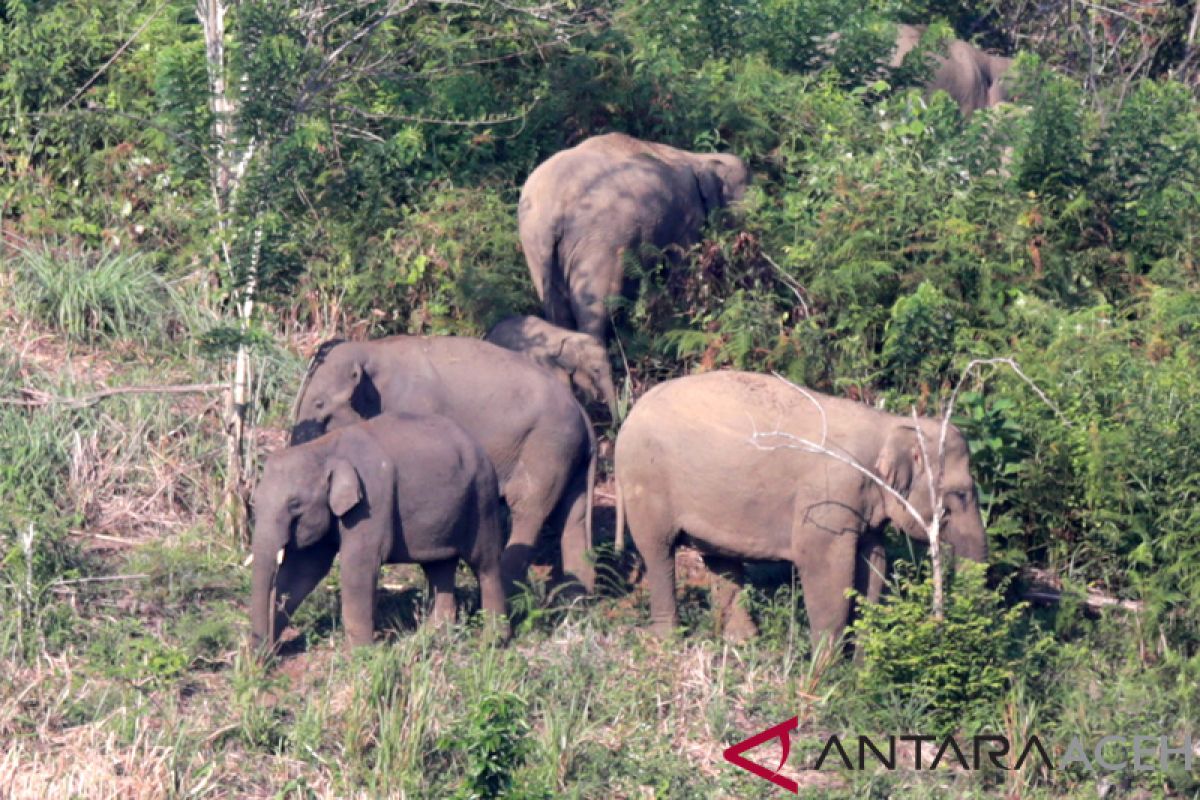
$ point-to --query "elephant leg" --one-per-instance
(733, 621)
(532, 494)
(654, 532)
(491, 598)
(871, 567)
(870, 571)
(570, 517)
(518, 553)
(440, 575)
(298, 575)
(360, 579)
(827, 568)
(594, 279)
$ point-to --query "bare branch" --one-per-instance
(35, 398)
(96, 75)
(794, 442)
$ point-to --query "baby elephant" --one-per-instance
(577, 358)
(392, 489)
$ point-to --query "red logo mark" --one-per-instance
(734, 754)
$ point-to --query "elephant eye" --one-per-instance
(319, 405)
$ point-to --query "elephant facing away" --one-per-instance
(583, 209)
(576, 358)
(536, 435)
(713, 460)
(973, 78)
(393, 489)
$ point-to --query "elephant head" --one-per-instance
(337, 391)
(722, 178)
(295, 504)
(587, 362)
(904, 465)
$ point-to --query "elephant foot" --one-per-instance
(739, 628)
(663, 629)
(496, 631)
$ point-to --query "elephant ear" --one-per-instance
(344, 490)
(899, 459)
(710, 186)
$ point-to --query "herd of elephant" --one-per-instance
(408, 449)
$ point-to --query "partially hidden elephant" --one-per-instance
(576, 358)
(583, 209)
(723, 461)
(536, 435)
(973, 78)
(392, 489)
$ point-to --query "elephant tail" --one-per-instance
(591, 487)
(593, 456)
(620, 546)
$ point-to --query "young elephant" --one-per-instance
(577, 359)
(394, 489)
(717, 457)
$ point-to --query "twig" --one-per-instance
(35, 398)
(96, 75)
(100, 579)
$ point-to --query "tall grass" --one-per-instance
(91, 296)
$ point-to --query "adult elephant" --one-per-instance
(970, 76)
(724, 460)
(537, 437)
(583, 209)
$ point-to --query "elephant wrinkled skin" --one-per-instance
(393, 489)
(576, 358)
(708, 458)
(584, 208)
(536, 435)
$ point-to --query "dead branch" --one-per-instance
(35, 398)
(1045, 587)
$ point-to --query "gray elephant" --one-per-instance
(716, 458)
(536, 435)
(970, 76)
(393, 489)
(583, 209)
(576, 358)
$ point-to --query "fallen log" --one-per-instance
(1046, 587)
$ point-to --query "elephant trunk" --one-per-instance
(264, 617)
(608, 393)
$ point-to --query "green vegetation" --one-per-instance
(367, 184)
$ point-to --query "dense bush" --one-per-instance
(955, 668)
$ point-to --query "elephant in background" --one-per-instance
(714, 459)
(576, 358)
(584, 208)
(393, 489)
(973, 78)
(536, 435)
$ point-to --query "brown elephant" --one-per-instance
(583, 209)
(536, 435)
(393, 489)
(576, 358)
(715, 459)
(973, 78)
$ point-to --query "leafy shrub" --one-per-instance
(495, 740)
(957, 667)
